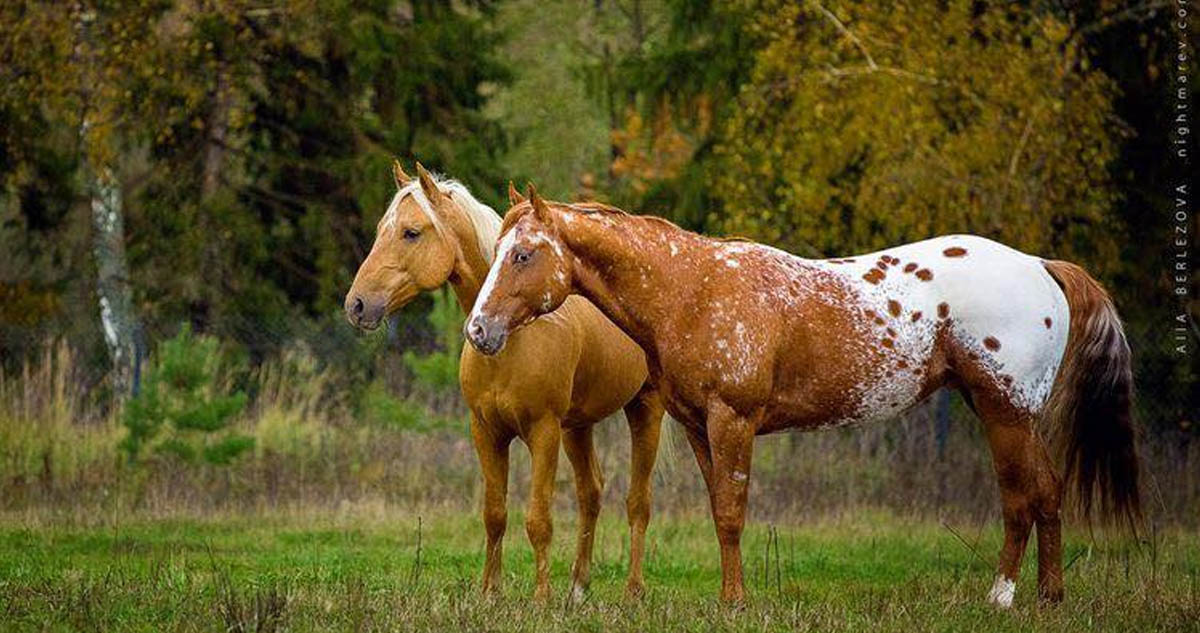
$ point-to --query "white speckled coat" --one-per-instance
(743, 339)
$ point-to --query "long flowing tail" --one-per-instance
(1089, 413)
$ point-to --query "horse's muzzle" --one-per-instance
(364, 311)
(485, 334)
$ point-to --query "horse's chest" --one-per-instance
(519, 385)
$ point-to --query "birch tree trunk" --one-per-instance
(122, 330)
(117, 318)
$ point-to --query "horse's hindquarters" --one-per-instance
(883, 331)
(1009, 322)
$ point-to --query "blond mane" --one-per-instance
(484, 220)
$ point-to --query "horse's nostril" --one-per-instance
(476, 330)
(358, 306)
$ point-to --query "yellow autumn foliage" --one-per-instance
(867, 124)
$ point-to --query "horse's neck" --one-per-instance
(625, 278)
(470, 267)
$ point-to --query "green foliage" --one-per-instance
(438, 370)
(180, 411)
(863, 126)
(559, 133)
(671, 89)
(253, 144)
(381, 409)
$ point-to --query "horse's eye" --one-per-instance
(521, 257)
(411, 234)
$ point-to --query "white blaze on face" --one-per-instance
(538, 237)
(489, 284)
(1002, 592)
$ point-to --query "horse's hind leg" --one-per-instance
(589, 482)
(644, 414)
(543, 439)
(491, 445)
(1048, 519)
(1030, 493)
(1011, 459)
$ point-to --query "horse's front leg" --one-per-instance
(589, 484)
(491, 445)
(731, 442)
(543, 439)
(644, 414)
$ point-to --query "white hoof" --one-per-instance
(1002, 592)
(577, 593)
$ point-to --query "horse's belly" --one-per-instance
(877, 386)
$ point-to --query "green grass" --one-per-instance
(362, 569)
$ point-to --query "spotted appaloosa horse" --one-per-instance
(555, 380)
(743, 339)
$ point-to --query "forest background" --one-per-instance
(189, 185)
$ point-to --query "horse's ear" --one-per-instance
(540, 210)
(514, 196)
(427, 184)
(398, 173)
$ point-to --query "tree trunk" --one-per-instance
(218, 131)
(120, 324)
(122, 330)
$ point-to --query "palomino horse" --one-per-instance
(743, 339)
(570, 370)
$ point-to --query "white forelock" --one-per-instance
(484, 220)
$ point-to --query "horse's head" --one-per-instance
(413, 251)
(530, 276)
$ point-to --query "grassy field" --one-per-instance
(367, 568)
